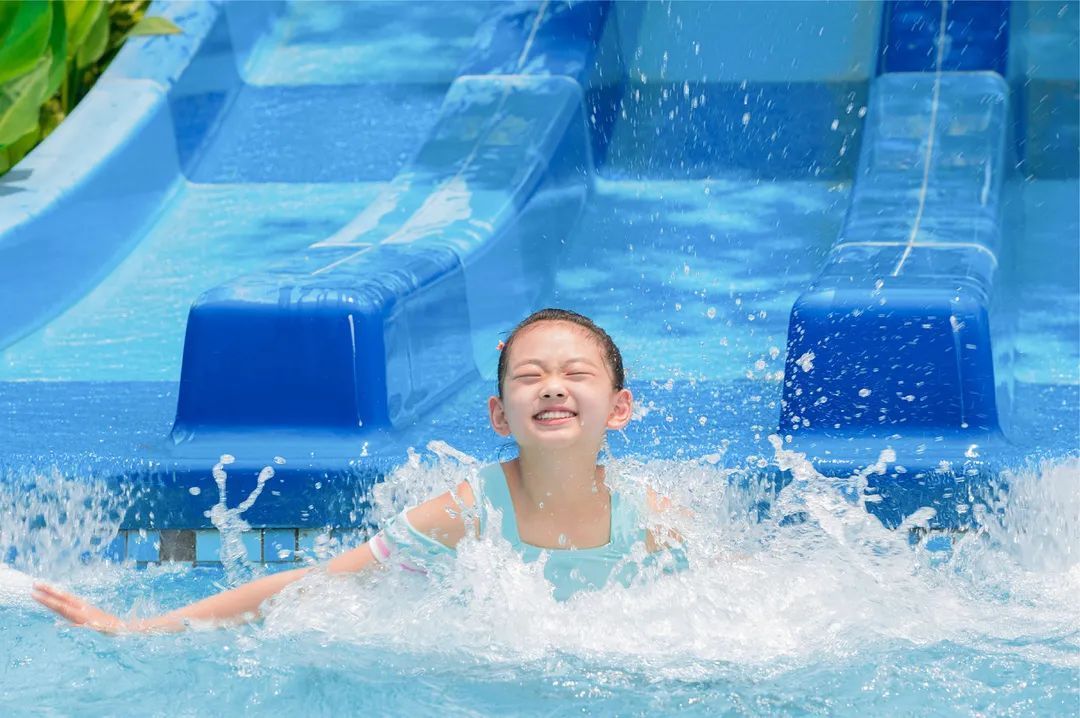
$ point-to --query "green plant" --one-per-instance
(51, 52)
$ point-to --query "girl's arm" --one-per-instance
(436, 518)
(237, 605)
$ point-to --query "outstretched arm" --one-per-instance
(438, 518)
(237, 605)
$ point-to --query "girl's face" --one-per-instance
(558, 390)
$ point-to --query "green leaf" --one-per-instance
(22, 146)
(155, 25)
(8, 10)
(97, 40)
(23, 36)
(80, 16)
(58, 47)
(15, 152)
(20, 102)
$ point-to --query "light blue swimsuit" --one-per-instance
(568, 570)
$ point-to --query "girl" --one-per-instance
(560, 389)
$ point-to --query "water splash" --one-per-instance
(54, 524)
(230, 524)
(1031, 516)
(778, 581)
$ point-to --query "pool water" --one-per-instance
(823, 615)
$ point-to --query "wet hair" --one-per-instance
(610, 352)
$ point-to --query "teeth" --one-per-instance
(543, 415)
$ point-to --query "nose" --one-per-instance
(553, 390)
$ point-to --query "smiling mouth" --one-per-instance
(554, 417)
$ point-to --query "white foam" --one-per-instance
(767, 593)
(14, 586)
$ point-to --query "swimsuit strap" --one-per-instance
(495, 494)
(626, 521)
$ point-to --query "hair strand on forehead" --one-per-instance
(612, 356)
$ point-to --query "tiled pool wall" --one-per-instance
(203, 547)
(282, 547)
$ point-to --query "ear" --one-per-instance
(622, 410)
(498, 416)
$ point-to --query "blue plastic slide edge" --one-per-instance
(975, 36)
(891, 343)
(372, 326)
(70, 209)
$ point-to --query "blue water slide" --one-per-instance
(379, 317)
(893, 338)
(906, 341)
(360, 198)
(48, 258)
(477, 176)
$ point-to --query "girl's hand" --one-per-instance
(78, 611)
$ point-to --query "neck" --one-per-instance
(560, 481)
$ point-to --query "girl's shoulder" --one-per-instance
(443, 517)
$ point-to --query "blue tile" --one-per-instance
(207, 546)
(143, 546)
(311, 542)
(279, 545)
(252, 545)
(116, 549)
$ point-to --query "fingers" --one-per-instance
(45, 589)
(75, 609)
(58, 601)
(54, 598)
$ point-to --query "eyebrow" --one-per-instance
(571, 360)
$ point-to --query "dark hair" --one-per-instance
(607, 347)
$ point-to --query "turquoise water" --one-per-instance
(834, 615)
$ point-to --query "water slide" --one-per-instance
(295, 234)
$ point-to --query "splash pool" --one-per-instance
(899, 567)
